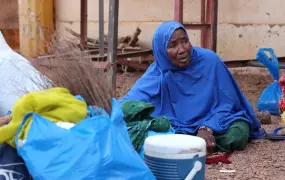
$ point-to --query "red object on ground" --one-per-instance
(282, 99)
(219, 159)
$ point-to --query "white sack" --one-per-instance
(17, 77)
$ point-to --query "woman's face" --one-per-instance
(178, 49)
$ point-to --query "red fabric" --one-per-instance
(282, 99)
(282, 83)
(219, 159)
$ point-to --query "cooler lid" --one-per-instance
(174, 144)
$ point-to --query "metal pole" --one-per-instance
(203, 21)
(101, 28)
(214, 24)
(83, 23)
(112, 42)
(259, 64)
(209, 20)
(178, 11)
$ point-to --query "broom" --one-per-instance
(67, 66)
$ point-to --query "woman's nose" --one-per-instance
(181, 49)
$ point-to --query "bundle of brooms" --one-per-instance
(67, 66)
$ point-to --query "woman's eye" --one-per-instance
(172, 46)
(185, 40)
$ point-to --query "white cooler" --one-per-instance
(176, 156)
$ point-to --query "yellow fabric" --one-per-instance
(283, 118)
(55, 104)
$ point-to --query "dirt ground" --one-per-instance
(261, 159)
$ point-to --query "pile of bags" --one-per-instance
(59, 136)
(48, 133)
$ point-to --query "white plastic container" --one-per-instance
(176, 156)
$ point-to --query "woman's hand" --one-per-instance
(5, 120)
(209, 138)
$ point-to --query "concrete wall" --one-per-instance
(9, 14)
(243, 25)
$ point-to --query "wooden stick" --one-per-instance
(91, 40)
(135, 38)
(127, 41)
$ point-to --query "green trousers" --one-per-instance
(235, 138)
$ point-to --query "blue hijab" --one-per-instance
(202, 94)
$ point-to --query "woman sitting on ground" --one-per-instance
(193, 88)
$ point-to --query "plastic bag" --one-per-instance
(269, 99)
(11, 164)
(98, 147)
(18, 77)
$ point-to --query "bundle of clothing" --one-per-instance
(137, 115)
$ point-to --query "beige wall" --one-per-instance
(244, 25)
(9, 14)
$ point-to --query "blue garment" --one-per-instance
(12, 166)
(203, 93)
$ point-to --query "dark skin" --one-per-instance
(209, 138)
(5, 120)
(178, 51)
(179, 48)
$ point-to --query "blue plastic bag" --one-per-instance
(269, 99)
(12, 165)
(98, 147)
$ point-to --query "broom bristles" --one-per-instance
(73, 69)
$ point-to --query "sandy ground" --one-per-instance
(261, 159)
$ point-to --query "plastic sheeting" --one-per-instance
(17, 77)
